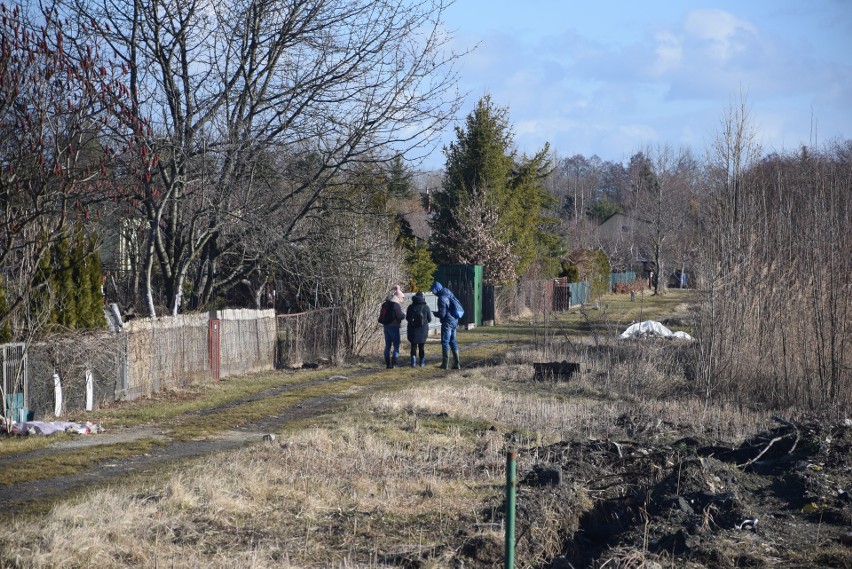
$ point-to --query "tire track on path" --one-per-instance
(18, 498)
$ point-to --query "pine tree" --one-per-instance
(485, 178)
(399, 179)
(419, 265)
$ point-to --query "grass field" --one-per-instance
(408, 469)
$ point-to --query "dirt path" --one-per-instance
(16, 498)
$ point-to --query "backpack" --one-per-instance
(416, 318)
(386, 314)
(455, 308)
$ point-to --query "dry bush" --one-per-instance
(70, 356)
(775, 320)
(627, 287)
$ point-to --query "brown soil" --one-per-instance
(663, 499)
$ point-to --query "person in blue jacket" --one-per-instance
(449, 325)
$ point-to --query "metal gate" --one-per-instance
(488, 306)
(15, 382)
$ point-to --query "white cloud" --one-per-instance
(607, 84)
(722, 35)
(669, 53)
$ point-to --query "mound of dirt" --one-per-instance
(781, 499)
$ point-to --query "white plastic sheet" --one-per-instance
(51, 427)
(653, 329)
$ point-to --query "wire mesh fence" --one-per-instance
(308, 337)
(91, 362)
(151, 355)
(246, 341)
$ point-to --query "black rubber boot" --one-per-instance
(393, 362)
(388, 363)
(413, 361)
(445, 360)
(422, 362)
(456, 360)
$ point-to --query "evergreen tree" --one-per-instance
(68, 286)
(602, 209)
(484, 177)
(79, 261)
(525, 215)
(399, 179)
(419, 265)
(64, 308)
(95, 313)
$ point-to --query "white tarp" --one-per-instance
(652, 328)
(51, 427)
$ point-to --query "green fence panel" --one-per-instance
(466, 283)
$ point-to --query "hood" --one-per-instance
(436, 287)
(418, 298)
(396, 295)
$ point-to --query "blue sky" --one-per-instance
(612, 77)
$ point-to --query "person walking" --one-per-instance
(448, 314)
(391, 316)
(418, 317)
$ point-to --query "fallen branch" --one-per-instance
(773, 441)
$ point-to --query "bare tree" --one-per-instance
(56, 101)
(236, 89)
(732, 153)
(477, 229)
(660, 203)
(347, 258)
(582, 176)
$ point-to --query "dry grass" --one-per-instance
(402, 478)
(338, 496)
(398, 481)
(554, 412)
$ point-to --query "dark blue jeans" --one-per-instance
(391, 338)
(448, 335)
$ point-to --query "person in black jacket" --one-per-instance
(395, 298)
(418, 313)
